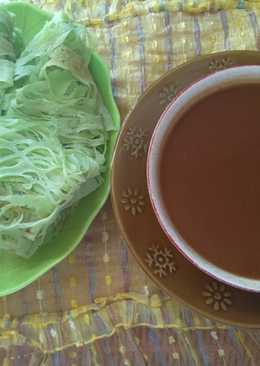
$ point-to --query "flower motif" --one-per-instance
(122, 349)
(39, 295)
(221, 352)
(161, 260)
(176, 355)
(53, 332)
(214, 335)
(167, 94)
(136, 142)
(217, 296)
(171, 340)
(133, 201)
(224, 63)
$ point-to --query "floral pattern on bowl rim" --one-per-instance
(157, 256)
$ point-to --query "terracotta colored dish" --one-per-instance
(203, 175)
(134, 213)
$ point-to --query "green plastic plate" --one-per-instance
(16, 272)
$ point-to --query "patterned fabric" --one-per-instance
(97, 307)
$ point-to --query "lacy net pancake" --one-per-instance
(210, 179)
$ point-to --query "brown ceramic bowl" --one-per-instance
(203, 182)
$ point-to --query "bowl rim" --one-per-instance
(220, 80)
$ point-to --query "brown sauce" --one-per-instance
(210, 179)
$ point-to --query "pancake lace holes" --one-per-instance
(160, 260)
(136, 142)
(217, 296)
(167, 94)
(224, 63)
(133, 201)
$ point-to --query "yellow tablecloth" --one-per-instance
(97, 307)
